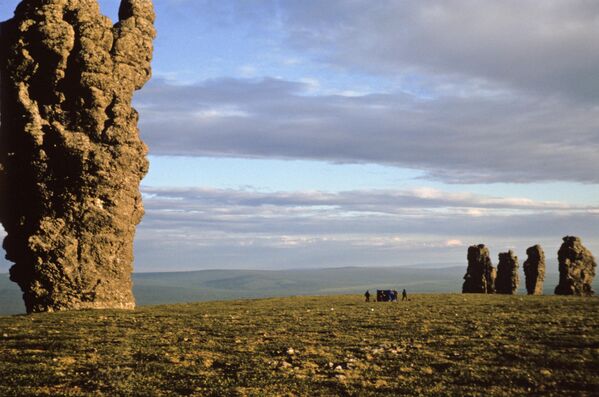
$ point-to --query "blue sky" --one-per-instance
(315, 134)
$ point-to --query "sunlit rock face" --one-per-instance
(507, 281)
(534, 270)
(480, 274)
(576, 268)
(70, 154)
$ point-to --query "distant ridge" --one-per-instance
(214, 284)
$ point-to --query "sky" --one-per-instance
(303, 134)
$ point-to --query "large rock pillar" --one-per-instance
(534, 270)
(480, 274)
(576, 268)
(507, 281)
(71, 159)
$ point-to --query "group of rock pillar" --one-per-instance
(576, 267)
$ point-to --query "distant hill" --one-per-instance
(205, 285)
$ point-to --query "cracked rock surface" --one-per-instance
(480, 274)
(576, 268)
(534, 270)
(71, 159)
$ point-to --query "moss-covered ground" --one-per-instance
(310, 346)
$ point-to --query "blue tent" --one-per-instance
(386, 295)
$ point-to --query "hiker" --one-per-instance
(394, 295)
(404, 295)
(367, 296)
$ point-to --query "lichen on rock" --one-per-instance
(71, 159)
(480, 274)
(576, 268)
(534, 270)
(508, 280)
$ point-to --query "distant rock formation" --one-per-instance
(507, 281)
(480, 274)
(71, 158)
(534, 270)
(576, 268)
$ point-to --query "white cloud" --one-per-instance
(218, 113)
(454, 243)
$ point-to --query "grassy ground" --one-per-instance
(313, 346)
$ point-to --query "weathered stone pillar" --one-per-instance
(480, 274)
(71, 159)
(507, 281)
(576, 268)
(534, 270)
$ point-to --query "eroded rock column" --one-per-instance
(480, 274)
(534, 270)
(70, 154)
(576, 268)
(507, 281)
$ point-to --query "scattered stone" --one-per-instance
(545, 372)
(576, 268)
(507, 281)
(534, 270)
(285, 364)
(480, 275)
(71, 159)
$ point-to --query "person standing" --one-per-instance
(404, 295)
(367, 296)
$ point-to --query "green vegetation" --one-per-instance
(314, 346)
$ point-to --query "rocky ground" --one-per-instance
(432, 345)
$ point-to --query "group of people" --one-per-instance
(387, 295)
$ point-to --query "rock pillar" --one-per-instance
(480, 274)
(534, 270)
(507, 281)
(71, 158)
(576, 268)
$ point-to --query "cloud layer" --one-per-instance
(478, 139)
(204, 227)
(545, 47)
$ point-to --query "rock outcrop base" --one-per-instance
(71, 158)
